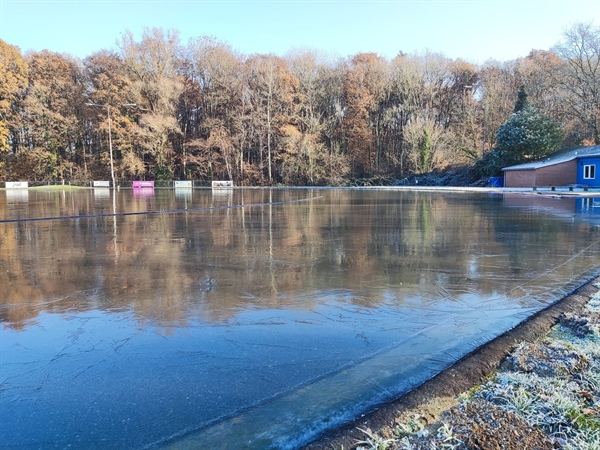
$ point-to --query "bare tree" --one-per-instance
(498, 86)
(153, 65)
(273, 90)
(428, 145)
(579, 78)
(216, 76)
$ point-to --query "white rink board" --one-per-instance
(16, 184)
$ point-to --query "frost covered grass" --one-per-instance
(547, 393)
(373, 441)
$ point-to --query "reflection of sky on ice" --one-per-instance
(275, 361)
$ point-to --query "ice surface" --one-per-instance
(259, 326)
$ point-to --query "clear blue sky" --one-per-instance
(475, 30)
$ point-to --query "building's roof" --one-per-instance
(559, 157)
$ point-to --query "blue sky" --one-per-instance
(475, 30)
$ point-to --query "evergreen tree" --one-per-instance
(522, 100)
(528, 135)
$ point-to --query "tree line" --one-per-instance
(203, 111)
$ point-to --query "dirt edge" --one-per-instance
(440, 392)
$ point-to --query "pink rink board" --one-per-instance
(143, 183)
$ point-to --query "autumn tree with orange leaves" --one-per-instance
(13, 80)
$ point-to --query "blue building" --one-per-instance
(579, 166)
(588, 170)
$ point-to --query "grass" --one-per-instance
(564, 406)
(373, 441)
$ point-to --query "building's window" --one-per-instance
(589, 172)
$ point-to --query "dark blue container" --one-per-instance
(496, 182)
